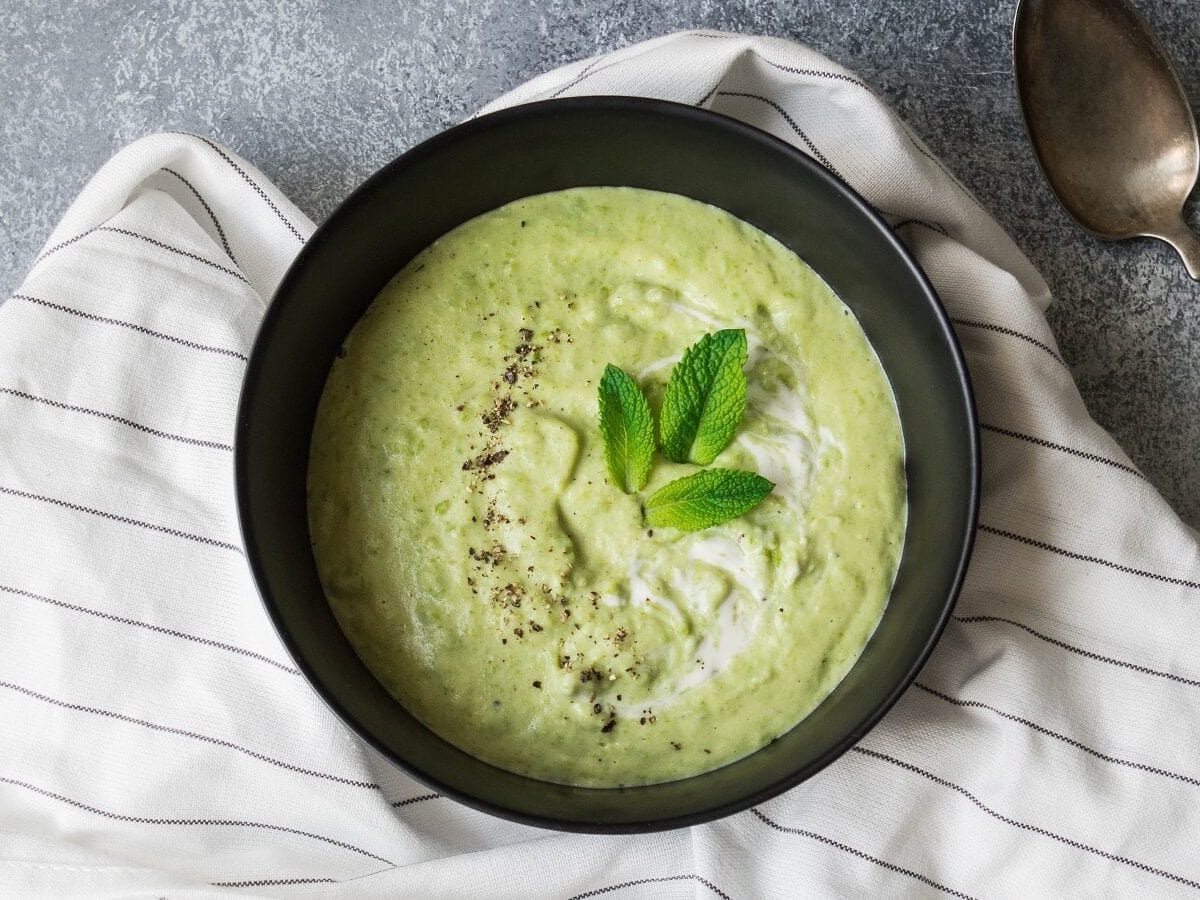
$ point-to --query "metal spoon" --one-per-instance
(1109, 121)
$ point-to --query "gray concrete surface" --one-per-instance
(320, 94)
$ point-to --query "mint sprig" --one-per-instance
(627, 426)
(705, 399)
(704, 403)
(708, 497)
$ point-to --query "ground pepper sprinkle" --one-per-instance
(485, 461)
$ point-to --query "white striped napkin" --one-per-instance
(155, 739)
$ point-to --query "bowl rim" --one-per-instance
(708, 118)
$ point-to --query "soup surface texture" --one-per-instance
(503, 590)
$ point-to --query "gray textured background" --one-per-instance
(319, 95)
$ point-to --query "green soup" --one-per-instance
(496, 583)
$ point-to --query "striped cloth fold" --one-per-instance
(157, 741)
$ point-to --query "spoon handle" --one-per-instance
(1186, 244)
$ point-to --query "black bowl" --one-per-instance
(490, 161)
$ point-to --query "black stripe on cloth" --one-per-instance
(208, 739)
(70, 310)
(214, 445)
(816, 73)
(817, 154)
(222, 823)
(892, 867)
(1071, 648)
(208, 209)
(709, 95)
(411, 800)
(67, 243)
(148, 626)
(250, 181)
(975, 704)
(1042, 442)
(624, 884)
(1025, 826)
(1000, 329)
(932, 226)
(164, 246)
(92, 511)
(1071, 554)
(588, 71)
(273, 882)
(154, 241)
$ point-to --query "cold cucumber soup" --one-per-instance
(512, 598)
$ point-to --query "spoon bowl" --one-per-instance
(1108, 119)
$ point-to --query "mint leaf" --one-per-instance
(706, 498)
(627, 426)
(706, 398)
